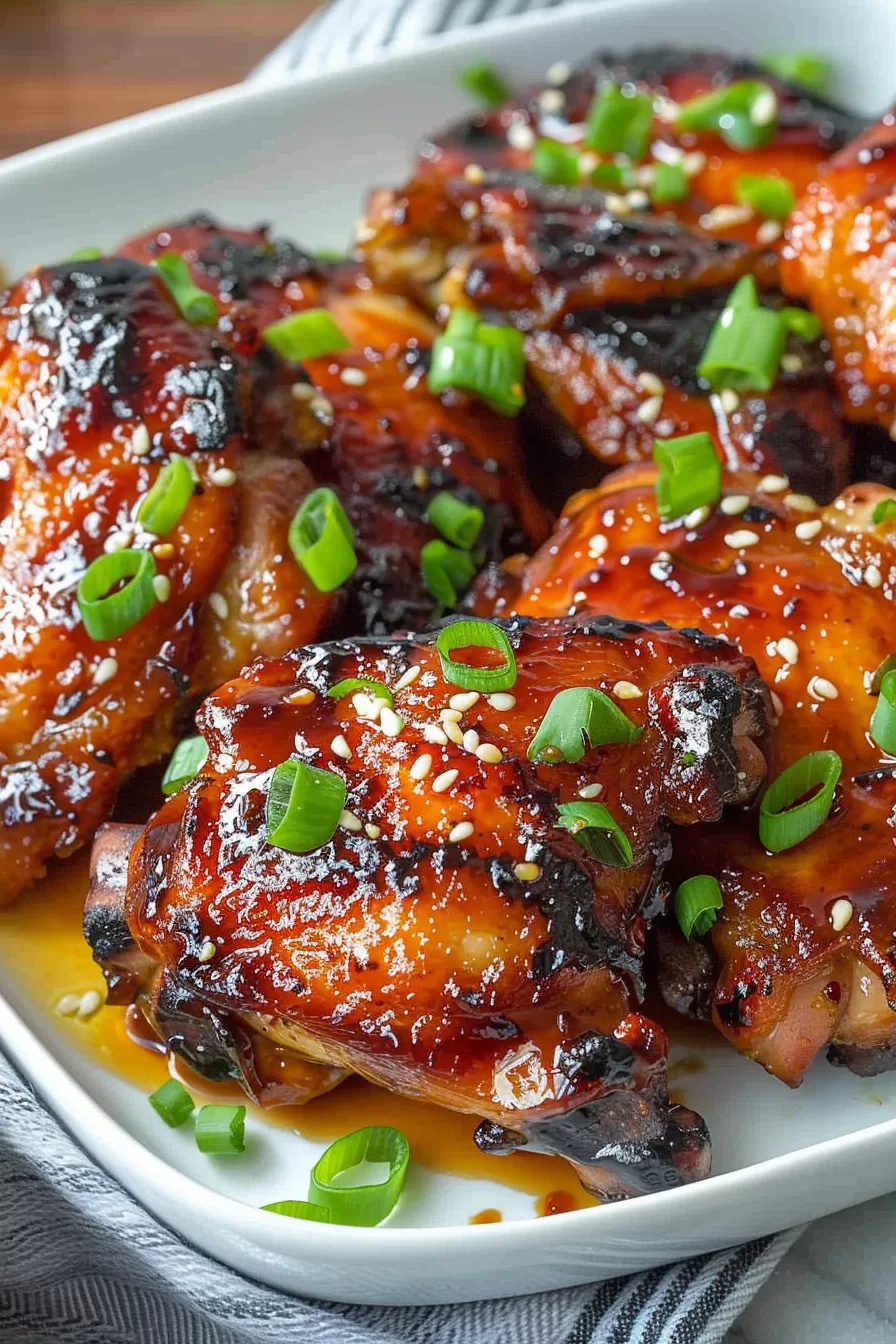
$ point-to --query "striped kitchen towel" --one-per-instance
(81, 1263)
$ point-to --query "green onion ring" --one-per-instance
(360, 1205)
(466, 634)
(783, 825)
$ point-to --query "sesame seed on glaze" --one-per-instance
(407, 678)
(463, 701)
(527, 872)
(873, 576)
(421, 766)
(341, 748)
(434, 734)
(769, 231)
(443, 782)
(353, 377)
(163, 550)
(802, 503)
(789, 650)
(462, 831)
(519, 136)
(822, 689)
(841, 914)
(597, 546)
(372, 832)
(501, 700)
(740, 539)
(649, 411)
(222, 476)
(140, 442)
(627, 690)
(809, 529)
(304, 696)
(650, 383)
(774, 485)
(390, 722)
(474, 172)
(489, 753)
(734, 504)
(219, 605)
(591, 790)
(106, 669)
(349, 821)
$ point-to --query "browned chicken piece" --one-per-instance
(803, 949)
(840, 257)
(454, 939)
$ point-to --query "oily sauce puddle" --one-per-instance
(41, 936)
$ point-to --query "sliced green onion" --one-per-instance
(619, 122)
(579, 719)
(187, 759)
(107, 610)
(484, 82)
(746, 343)
(806, 68)
(447, 571)
(459, 522)
(555, 164)
(801, 323)
(883, 720)
(598, 832)
(877, 679)
(772, 197)
(784, 821)
(689, 476)
(221, 1129)
(884, 511)
(304, 806)
(744, 114)
(298, 1208)
(307, 335)
(480, 358)
(613, 177)
(360, 1203)
(162, 507)
(697, 902)
(367, 684)
(331, 254)
(470, 634)
(193, 303)
(670, 183)
(87, 254)
(322, 540)
(173, 1103)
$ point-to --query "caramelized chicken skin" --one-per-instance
(452, 940)
(808, 593)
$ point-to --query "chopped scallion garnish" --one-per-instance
(221, 1130)
(162, 507)
(746, 343)
(670, 183)
(619, 121)
(806, 68)
(447, 571)
(555, 164)
(689, 476)
(484, 82)
(801, 323)
(298, 1208)
(367, 685)
(341, 1178)
(108, 610)
(86, 254)
(193, 303)
(697, 903)
(322, 540)
(598, 832)
(613, 177)
(877, 679)
(173, 1103)
(476, 634)
(459, 522)
(304, 806)
(744, 114)
(307, 335)
(187, 759)
(480, 358)
(884, 511)
(577, 720)
(771, 197)
(883, 720)
(786, 814)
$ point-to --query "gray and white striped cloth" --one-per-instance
(81, 1263)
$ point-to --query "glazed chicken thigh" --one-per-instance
(459, 937)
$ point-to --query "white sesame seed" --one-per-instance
(219, 605)
(617, 205)
(206, 951)
(526, 872)
(559, 72)
(300, 697)
(163, 550)
(741, 538)
(422, 766)
(597, 546)
(463, 701)
(433, 733)
(694, 163)
(841, 913)
(551, 100)
(769, 231)
(648, 382)
(349, 821)
(444, 780)
(519, 136)
(140, 441)
(420, 477)
(372, 832)
(106, 669)
(407, 678)
(340, 747)
(764, 107)
(453, 732)
(789, 650)
(470, 740)
(462, 831)
(303, 391)
(390, 722)
(771, 648)
(68, 1005)
(791, 363)
(161, 586)
(591, 790)
(637, 199)
(729, 400)
(649, 410)
(322, 407)
(666, 153)
(353, 377)
(489, 753)
(474, 172)
(117, 541)
(627, 690)
(809, 529)
(646, 175)
(734, 504)
(725, 217)
(367, 706)
(91, 1003)
(697, 517)
(777, 703)
(774, 485)
(873, 576)
(738, 610)
(802, 503)
(587, 163)
(823, 689)
(222, 476)
(452, 715)
(469, 209)
(501, 700)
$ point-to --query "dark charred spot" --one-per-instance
(593, 1058)
(208, 393)
(238, 264)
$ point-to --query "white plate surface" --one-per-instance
(302, 156)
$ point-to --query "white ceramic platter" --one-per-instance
(302, 156)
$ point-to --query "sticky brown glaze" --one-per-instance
(436, 966)
(788, 983)
(91, 352)
(841, 258)
(809, 129)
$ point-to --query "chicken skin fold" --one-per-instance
(453, 940)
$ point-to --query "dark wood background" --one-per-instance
(66, 65)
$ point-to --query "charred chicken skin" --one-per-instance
(452, 940)
(803, 946)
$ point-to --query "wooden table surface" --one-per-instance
(66, 65)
